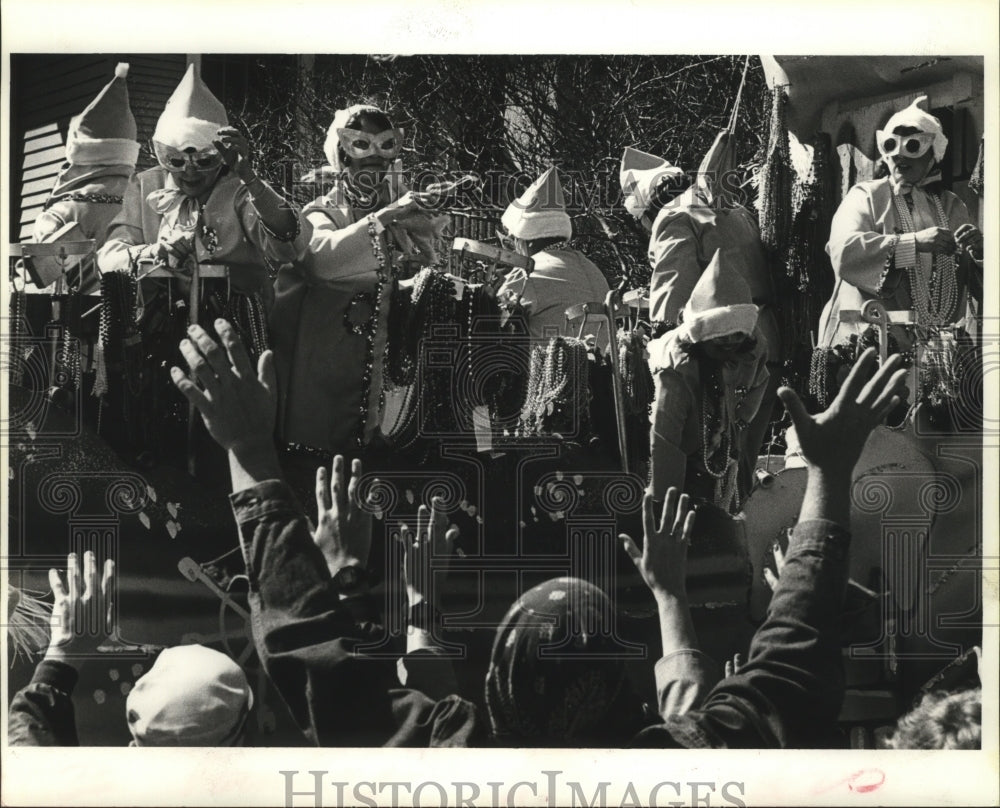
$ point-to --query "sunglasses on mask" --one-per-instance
(177, 161)
(358, 144)
(893, 145)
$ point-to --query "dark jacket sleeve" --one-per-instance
(320, 651)
(791, 688)
(41, 714)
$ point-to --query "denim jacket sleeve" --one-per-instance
(311, 643)
(41, 714)
(792, 685)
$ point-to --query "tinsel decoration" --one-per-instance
(18, 329)
(776, 179)
(976, 179)
(558, 396)
(27, 623)
(939, 382)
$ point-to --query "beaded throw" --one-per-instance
(96, 199)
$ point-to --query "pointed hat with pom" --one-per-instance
(917, 117)
(192, 115)
(640, 174)
(540, 212)
(720, 304)
(105, 132)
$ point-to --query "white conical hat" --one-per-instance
(192, 115)
(720, 304)
(105, 132)
(640, 173)
(915, 116)
(540, 212)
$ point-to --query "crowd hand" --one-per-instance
(937, 240)
(662, 562)
(833, 439)
(82, 619)
(237, 403)
(733, 666)
(433, 538)
(344, 527)
(969, 238)
(235, 151)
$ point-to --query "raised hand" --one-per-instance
(344, 528)
(237, 403)
(235, 151)
(82, 616)
(662, 562)
(833, 440)
(433, 538)
(969, 237)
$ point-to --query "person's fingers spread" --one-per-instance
(633, 552)
(771, 579)
(894, 386)
(234, 348)
(189, 390)
(877, 382)
(354, 503)
(728, 669)
(858, 377)
(322, 490)
(56, 584)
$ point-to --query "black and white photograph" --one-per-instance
(472, 422)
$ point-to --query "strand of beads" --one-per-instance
(382, 272)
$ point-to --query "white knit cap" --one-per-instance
(720, 305)
(192, 115)
(640, 174)
(922, 121)
(105, 132)
(192, 696)
(540, 212)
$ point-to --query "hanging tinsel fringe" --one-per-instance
(976, 179)
(558, 390)
(776, 180)
(939, 382)
(100, 371)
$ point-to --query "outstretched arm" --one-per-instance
(791, 687)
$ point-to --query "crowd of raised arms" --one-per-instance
(296, 371)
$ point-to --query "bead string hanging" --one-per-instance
(637, 381)
(558, 392)
(934, 297)
(976, 178)
(776, 179)
(95, 198)
(17, 308)
(383, 273)
(120, 342)
(246, 313)
(718, 433)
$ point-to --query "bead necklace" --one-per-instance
(18, 304)
(95, 198)
(382, 272)
(934, 300)
(246, 313)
